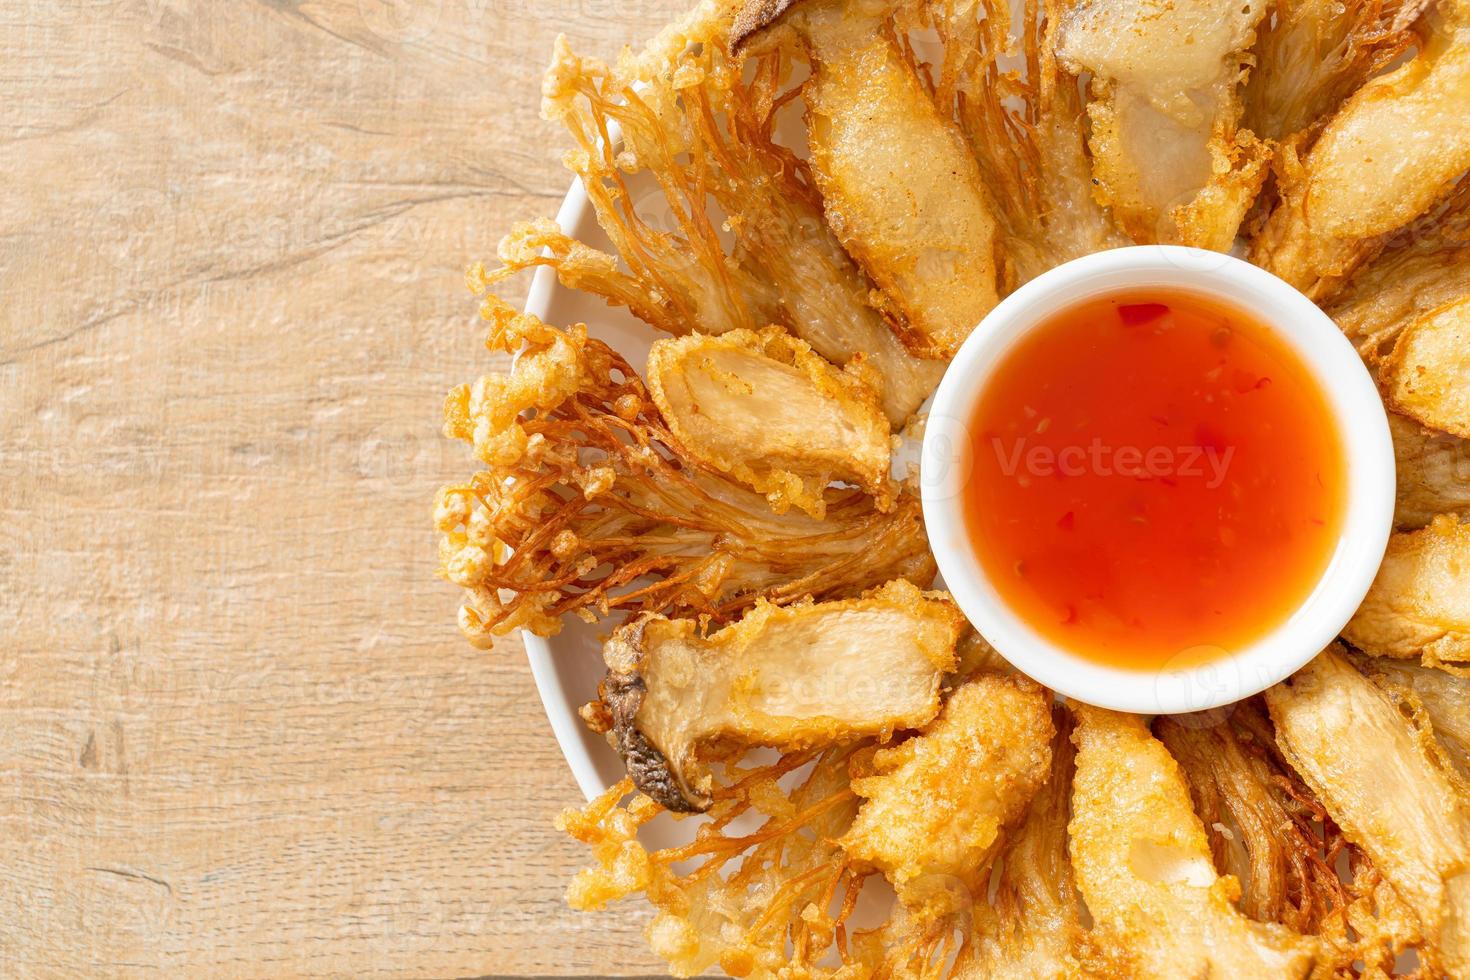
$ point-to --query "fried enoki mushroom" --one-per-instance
(900, 187)
(584, 495)
(1022, 116)
(1311, 55)
(1419, 605)
(1384, 781)
(1389, 156)
(936, 804)
(789, 677)
(773, 901)
(1142, 860)
(1169, 156)
(1264, 825)
(675, 147)
(765, 409)
(1031, 928)
(1267, 827)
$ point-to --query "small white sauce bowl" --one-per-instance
(1192, 683)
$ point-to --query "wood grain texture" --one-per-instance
(239, 734)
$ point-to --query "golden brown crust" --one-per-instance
(584, 493)
(1384, 784)
(1142, 860)
(1427, 375)
(937, 803)
(804, 675)
(1385, 159)
(1419, 605)
(755, 16)
(766, 410)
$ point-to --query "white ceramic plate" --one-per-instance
(568, 666)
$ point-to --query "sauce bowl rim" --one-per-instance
(1353, 401)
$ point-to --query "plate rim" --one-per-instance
(555, 702)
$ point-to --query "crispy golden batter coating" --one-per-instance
(1381, 780)
(585, 494)
(754, 903)
(764, 409)
(746, 485)
(1313, 54)
(1031, 928)
(936, 804)
(1168, 155)
(1442, 696)
(696, 140)
(1389, 155)
(1433, 471)
(1419, 605)
(808, 674)
(1427, 376)
(1426, 267)
(1022, 116)
(1142, 862)
(1260, 819)
(901, 190)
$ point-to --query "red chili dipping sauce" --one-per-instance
(1157, 480)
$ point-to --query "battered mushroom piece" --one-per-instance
(1419, 605)
(1433, 470)
(1032, 927)
(767, 410)
(1444, 698)
(790, 677)
(714, 224)
(1313, 54)
(1393, 797)
(585, 504)
(1143, 866)
(899, 186)
(1021, 114)
(1427, 377)
(1389, 155)
(1427, 268)
(1168, 156)
(937, 803)
(1259, 818)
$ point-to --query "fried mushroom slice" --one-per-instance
(1373, 769)
(1142, 863)
(1022, 115)
(1419, 605)
(935, 805)
(1260, 819)
(1427, 377)
(585, 504)
(1433, 472)
(1421, 270)
(1389, 155)
(1313, 54)
(899, 186)
(766, 410)
(790, 677)
(1443, 697)
(1031, 928)
(697, 145)
(1168, 155)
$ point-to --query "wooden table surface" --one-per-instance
(239, 733)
